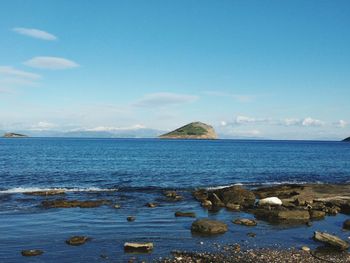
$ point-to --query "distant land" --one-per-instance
(14, 135)
(193, 130)
(347, 139)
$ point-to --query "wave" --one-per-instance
(19, 190)
(256, 184)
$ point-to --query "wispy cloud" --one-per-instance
(35, 33)
(11, 77)
(237, 97)
(53, 63)
(242, 120)
(164, 99)
(43, 126)
(112, 129)
(341, 124)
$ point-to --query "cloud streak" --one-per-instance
(35, 33)
(11, 77)
(52, 63)
(237, 97)
(164, 99)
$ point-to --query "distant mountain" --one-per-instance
(194, 130)
(14, 135)
(347, 139)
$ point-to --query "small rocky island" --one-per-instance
(347, 139)
(14, 135)
(193, 130)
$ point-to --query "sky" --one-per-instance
(253, 69)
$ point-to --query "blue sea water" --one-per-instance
(132, 172)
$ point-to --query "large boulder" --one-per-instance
(283, 215)
(236, 195)
(331, 240)
(131, 247)
(208, 227)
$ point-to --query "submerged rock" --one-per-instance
(173, 195)
(151, 205)
(208, 227)
(130, 247)
(46, 193)
(283, 216)
(77, 240)
(63, 203)
(346, 224)
(245, 222)
(270, 201)
(32, 252)
(331, 240)
(131, 218)
(185, 214)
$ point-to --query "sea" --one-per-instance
(133, 172)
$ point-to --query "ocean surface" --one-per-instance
(132, 172)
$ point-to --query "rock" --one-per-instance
(270, 201)
(305, 248)
(117, 206)
(32, 252)
(131, 218)
(245, 222)
(138, 247)
(207, 203)
(331, 240)
(333, 211)
(77, 240)
(216, 200)
(63, 203)
(200, 195)
(185, 214)
(314, 214)
(151, 205)
(173, 195)
(346, 224)
(236, 195)
(283, 216)
(208, 227)
(251, 234)
(234, 207)
(46, 193)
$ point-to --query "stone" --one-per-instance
(270, 201)
(117, 206)
(207, 203)
(131, 247)
(151, 205)
(185, 214)
(245, 222)
(200, 195)
(251, 234)
(283, 216)
(173, 195)
(64, 203)
(216, 200)
(208, 227)
(77, 240)
(46, 193)
(331, 240)
(236, 195)
(315, 214)
(305, 248)
(32, 252)
(131, 218)
(232, 206)
(346, 224)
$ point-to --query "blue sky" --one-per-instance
(264, 69)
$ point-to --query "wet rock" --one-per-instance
(245, 222)
(185, 214)
(207, 203)
(32, 252)
(309, 224)
(331, 240)
(236, 195)
(130, 247)
(334, 210)
(77, 240)
(283, 216)
(151, 205)
(173, 195)
(314, 214)
(216, 200)
(200, 195)
(251, 234)
(63, 203)
(272, 201)
(131, 218)
(46, 193)
(117, 206)
(305, 248)
(233, 207)
(208, 227)
(346, 224)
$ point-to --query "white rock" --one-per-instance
(270, 201)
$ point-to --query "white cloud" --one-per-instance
(291, 122)
(341, 124)
(312, 122)
(43, 126)
(53, 63)
(164, 99)
(11, 77)
(35, 33)
(111, 129)
(237, 97)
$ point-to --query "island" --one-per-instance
(347, 139)
(193, 130)
(14, 135)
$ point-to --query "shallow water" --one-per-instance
(134, 172)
